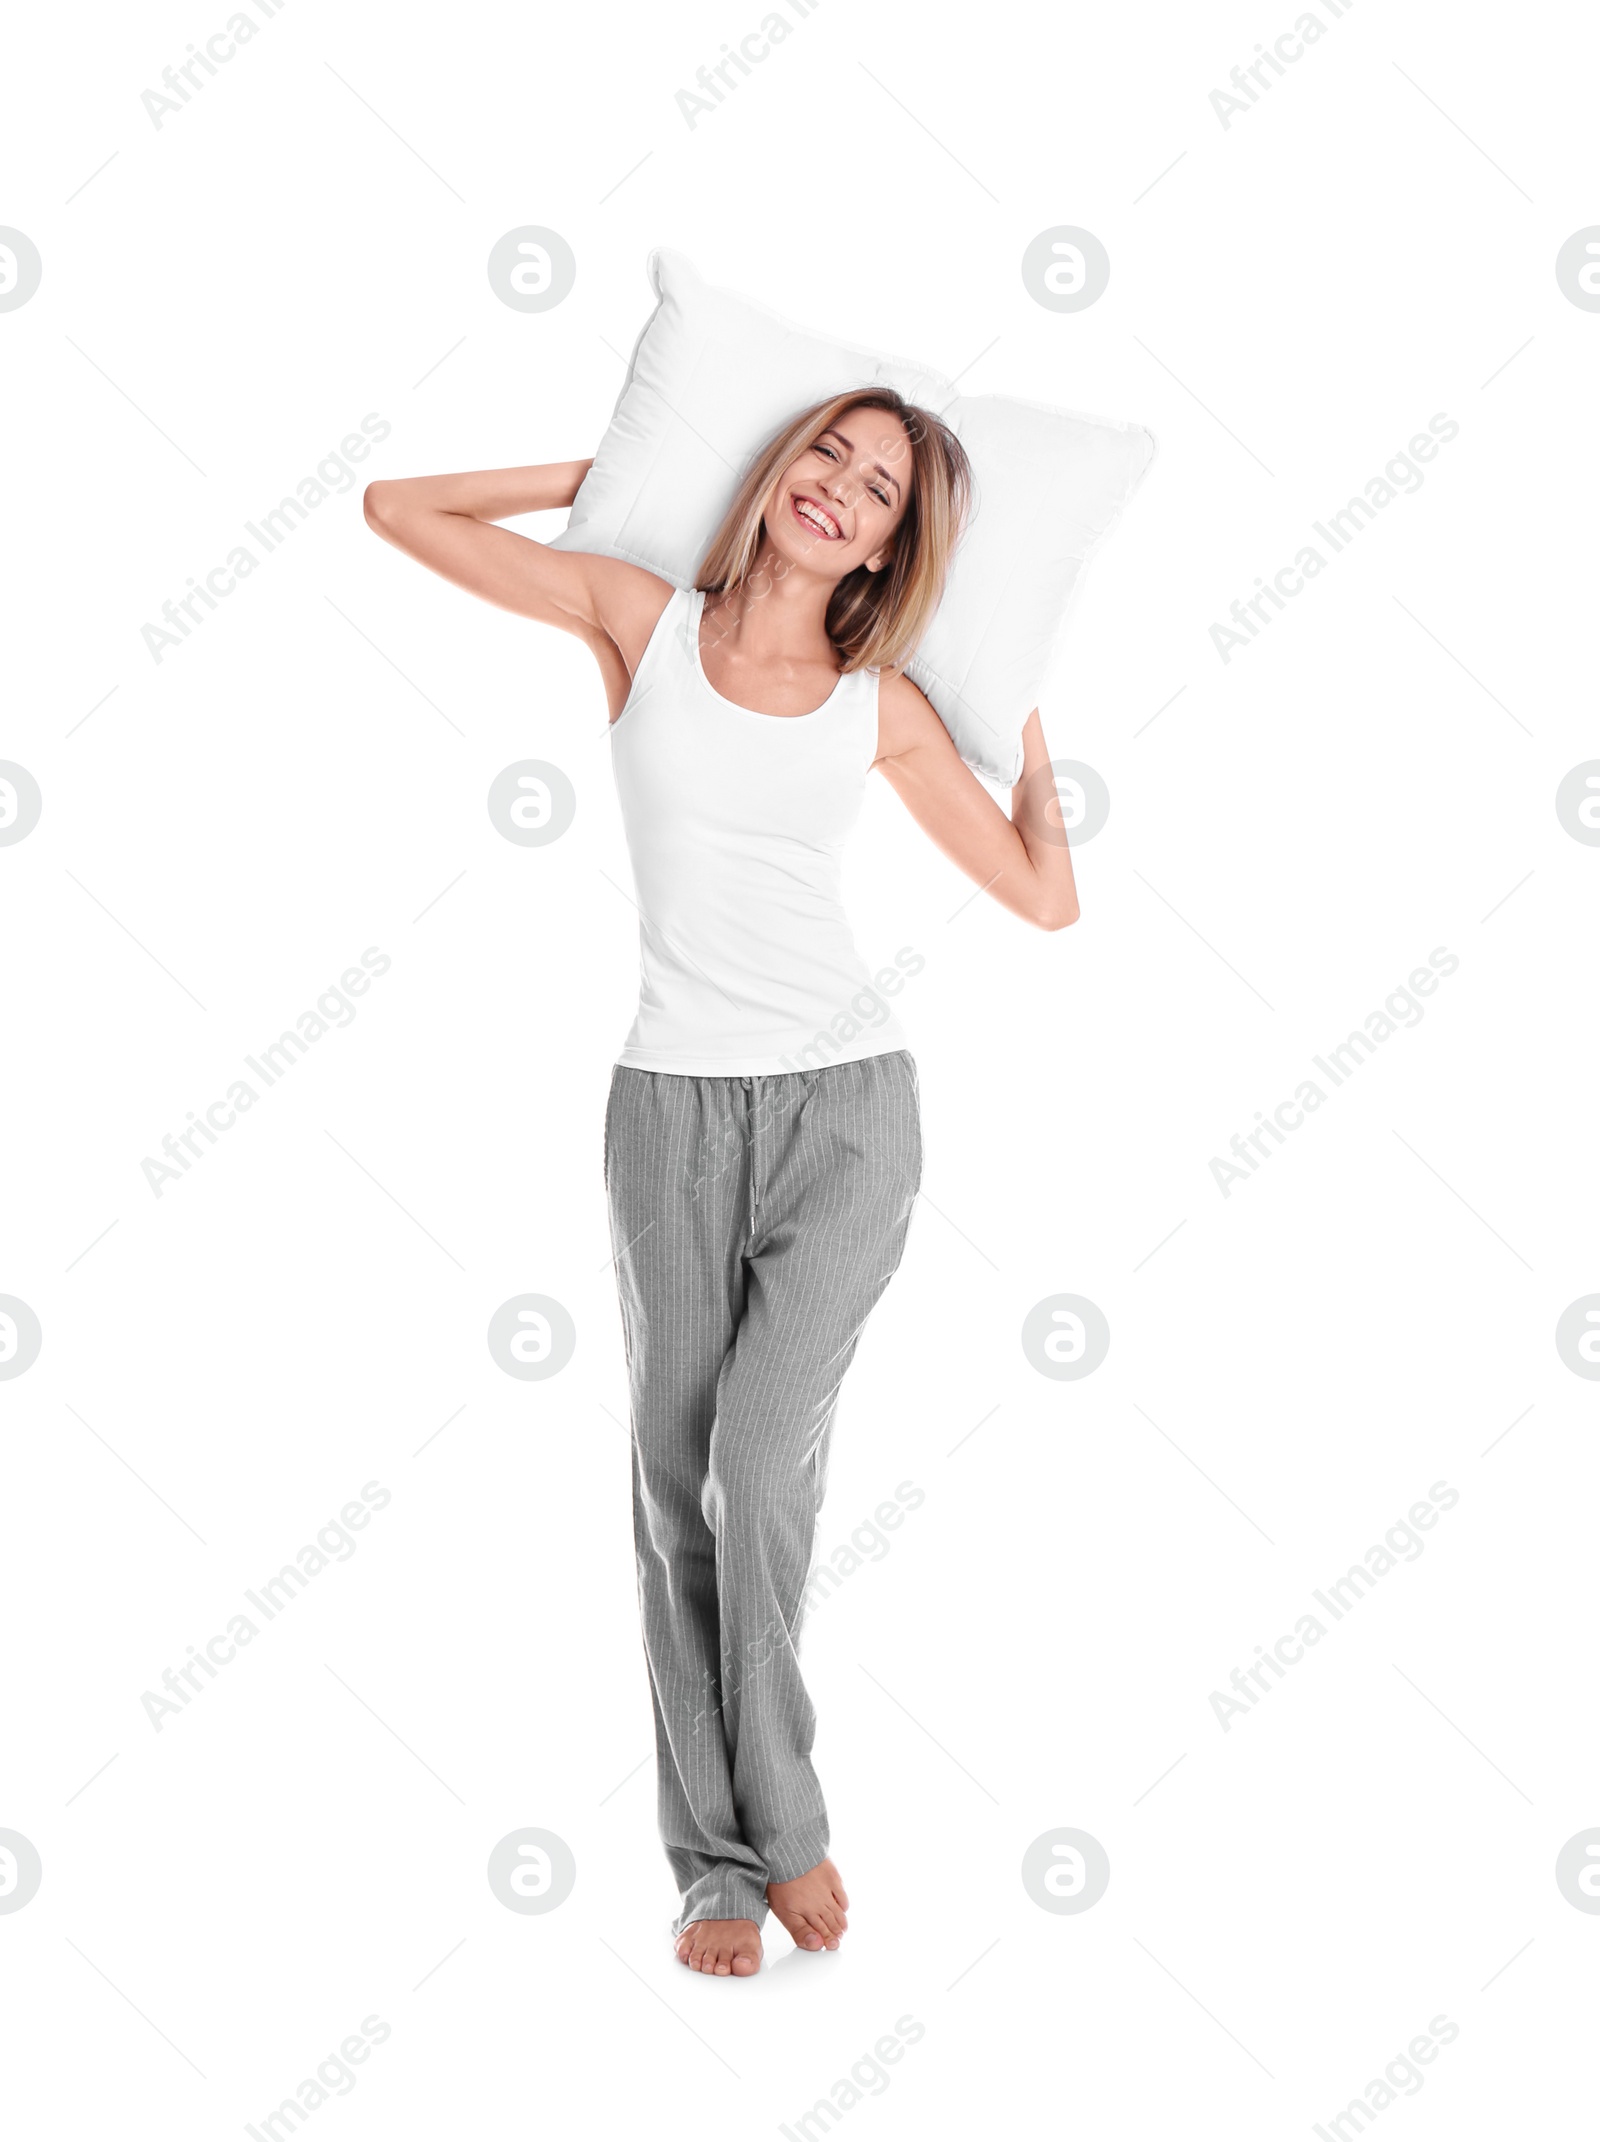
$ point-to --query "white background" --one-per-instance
(1292, 1366)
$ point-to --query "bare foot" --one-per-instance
(728, 1948)
(812, 1906)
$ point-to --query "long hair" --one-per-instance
(875, 620)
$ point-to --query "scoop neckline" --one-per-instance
(755, 713)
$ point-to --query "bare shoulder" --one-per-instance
(906, 719)
(628, 602)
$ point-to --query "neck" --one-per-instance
(779, 610)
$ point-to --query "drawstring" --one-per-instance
(750, 1154)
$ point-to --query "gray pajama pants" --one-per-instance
(755, 1222)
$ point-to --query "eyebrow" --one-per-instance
(888, 475)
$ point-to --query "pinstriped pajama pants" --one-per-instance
(755, 1222)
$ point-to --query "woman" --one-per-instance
(763, 1146)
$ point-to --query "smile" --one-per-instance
(812, 516)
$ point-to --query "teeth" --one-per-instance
(818, 520)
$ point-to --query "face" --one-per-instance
(838, 505)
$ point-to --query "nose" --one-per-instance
(839, 489)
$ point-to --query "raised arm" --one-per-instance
(447, 524)
(1021, 861)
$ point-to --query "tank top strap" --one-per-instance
(858, 703)
(670, 640)
(666, 640)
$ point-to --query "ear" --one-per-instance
(879, 559)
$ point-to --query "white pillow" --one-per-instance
(713, 375)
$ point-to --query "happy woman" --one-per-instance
(763, 1142)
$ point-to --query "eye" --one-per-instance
(823, 448)
(880, 493)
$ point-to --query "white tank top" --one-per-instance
(736, 824)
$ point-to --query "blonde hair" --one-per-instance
(875, 620)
